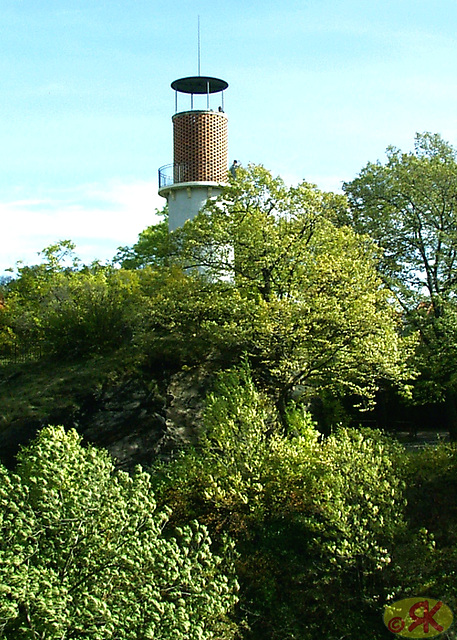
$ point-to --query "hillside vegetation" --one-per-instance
(238, 361)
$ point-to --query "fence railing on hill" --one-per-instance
(15, 354)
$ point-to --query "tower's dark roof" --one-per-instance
(199, 84)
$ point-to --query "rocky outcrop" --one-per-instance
(127, 419)
(186, 395)
(135, 418)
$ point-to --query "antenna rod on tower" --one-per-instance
(199, 48)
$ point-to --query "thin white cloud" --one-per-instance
(97, 218)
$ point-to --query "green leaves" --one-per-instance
(84, 553)
(70, 312)
(278, 281)
(309, 307)
(151, 248)
(315, 521)
(408, 205)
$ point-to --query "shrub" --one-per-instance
(314, 521)
(86, 553)
(89, 312)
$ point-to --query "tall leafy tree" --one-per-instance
(315, 522)
(67, 308)
(85, 553)
(308, 305)
(408, 205)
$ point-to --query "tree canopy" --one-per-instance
(263, 271)
(408, 205)
(151, 248)
(85, 553)
(67, 308)
(310, 307)
(315, 521)
(272, 298)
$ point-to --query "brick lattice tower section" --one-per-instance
(200, 146)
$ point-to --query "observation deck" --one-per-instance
(200, 150)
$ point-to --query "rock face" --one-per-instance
(127, 419)
(185, 402)
(134, 422)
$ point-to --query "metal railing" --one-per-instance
(15, 354)
(173, 173)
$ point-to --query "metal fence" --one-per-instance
(171, 174)
(15, 354)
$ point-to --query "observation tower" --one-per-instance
(200, 150)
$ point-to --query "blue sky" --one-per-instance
(317, 89)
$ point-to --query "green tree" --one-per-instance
(151, 248)
(85, 553)
(189, 320)
(257, 232)
(408, 206)
(90, 311)
(308, 304)
(68, 308)
(21, 320)
(315, 522)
